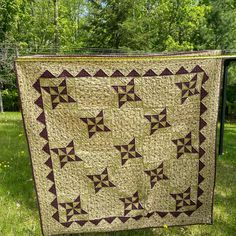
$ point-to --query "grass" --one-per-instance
(18, 210)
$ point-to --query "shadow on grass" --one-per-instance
(140, 232)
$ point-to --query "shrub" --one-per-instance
(10, 100)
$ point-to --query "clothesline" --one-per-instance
(122, 57)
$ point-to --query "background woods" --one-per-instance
(104, 26)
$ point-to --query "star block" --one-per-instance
(128, 151)
(158, 121)
(101, 180)
(184, 145)
(126, 93)
(66, 154)
(188, 88)
(73, 208)
(58, 94)
(156, 175)
(131, 203)
(95, 124)
(183, 199)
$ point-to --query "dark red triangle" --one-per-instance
(123, 219)
(199, 192)
(202, 124)
(83, 73)
(200, 178)
(204, 93)
(182, 70)
(70, 99)
(47, 74)
(96, 221)
(166, 72)
(55, 150)
(56, 216)
(54, 203)
(150, 72)
(148, 117)
(36, 86)
(81, 222)
(44, 134)
(201, 166)
(46, 148)
(54, 105)
(100, 73)
(131, 82)
(41, 118)
(188, 190)
(115, 88)
(183, 100)
(39, 102)
(153, 131)
(162, 214)
(188, 213)
(133, 73)
(205, 78)
(63, 83)
(121, 103)
(175, 213)
(198, 204)
(91, 134)
(197, 69)
(109, 219)
(53, 189)
(84, 120)
(202, 108)
(100, 114)
(138, 217)
(47, 89)
(50, 176)
(202, 138)
(65, 73)
(123, 161)
(135, 194)
(117, 73)
(149, 214)
(201, 152)
(106, 129)
(49, 163)
(118, 147)
(67, 224)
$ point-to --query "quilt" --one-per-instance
(122, 141)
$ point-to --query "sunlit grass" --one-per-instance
(18, 210)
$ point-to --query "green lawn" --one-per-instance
(18, 210)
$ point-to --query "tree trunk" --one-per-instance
(56, 35)
(1, 103)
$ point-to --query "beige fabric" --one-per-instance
(121, 142)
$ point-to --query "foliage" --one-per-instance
(154, 25)
(18, 211)
(10, 100)
(8, 9)
(104, 26)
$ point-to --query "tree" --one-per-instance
(8, 10)
(115, 24)
(221, 25)
(56, 24)
(178, 24)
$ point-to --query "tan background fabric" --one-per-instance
(103, 208)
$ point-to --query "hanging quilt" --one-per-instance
(121, 142)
